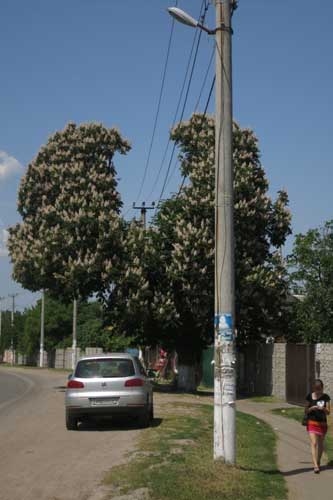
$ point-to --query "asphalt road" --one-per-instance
(39, 458)
(12, 388)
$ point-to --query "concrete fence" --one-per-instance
(285, 371)
(60, 358)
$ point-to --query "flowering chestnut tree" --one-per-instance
(174, 267)
(70, 239)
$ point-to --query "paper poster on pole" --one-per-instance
(224, 327)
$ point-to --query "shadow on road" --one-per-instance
(112, 424)
(303, 470)
(293, 472)
(60, 388)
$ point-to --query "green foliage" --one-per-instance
(10, 333)
(69, 240)
(58, 326)
(311, 265)
(30, 336)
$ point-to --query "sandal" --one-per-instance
(316, 470)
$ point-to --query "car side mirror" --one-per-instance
(70, 376)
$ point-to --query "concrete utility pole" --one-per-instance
(224, 337)
(225, 358)
(74, 345)
(42, 328)
(143, 208)
(1, 299)
(12, 296)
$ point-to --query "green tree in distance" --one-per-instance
(311, 265)
(11, 332)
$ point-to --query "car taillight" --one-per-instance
(75, 384)
(134, 382)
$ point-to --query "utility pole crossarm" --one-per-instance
(143, 209)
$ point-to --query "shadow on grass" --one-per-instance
(270, 472)
(113, 424)
(172, 389)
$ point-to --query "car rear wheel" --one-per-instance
(71, 422)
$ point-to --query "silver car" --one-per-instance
(109, 385)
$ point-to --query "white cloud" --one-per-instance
(9, 166)
(3, 243)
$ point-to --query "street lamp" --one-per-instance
(185, 18)
(224, 330)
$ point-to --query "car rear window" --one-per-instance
(105, 368)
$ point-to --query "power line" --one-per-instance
(205, 78)
(204, 9)
(205, 112)
(175, 115)
(158, 108)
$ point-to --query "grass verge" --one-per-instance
(264, 399)
(297, 414)
(174, 460)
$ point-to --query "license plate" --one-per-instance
(104, 402)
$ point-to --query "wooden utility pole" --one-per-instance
(143, 209)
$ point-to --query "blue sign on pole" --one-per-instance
(224, 327)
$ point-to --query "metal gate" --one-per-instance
(300, 371)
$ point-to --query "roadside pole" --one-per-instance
(1, 299)
(42, 327)
(225, 359)
(224, 328)
(12, 296)
(74, 345)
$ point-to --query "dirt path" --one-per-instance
(39, 458)
(294, 456)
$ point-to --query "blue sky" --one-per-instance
(102, 60)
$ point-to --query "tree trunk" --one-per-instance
(186, 380)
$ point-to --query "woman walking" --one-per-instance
(317, 409)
